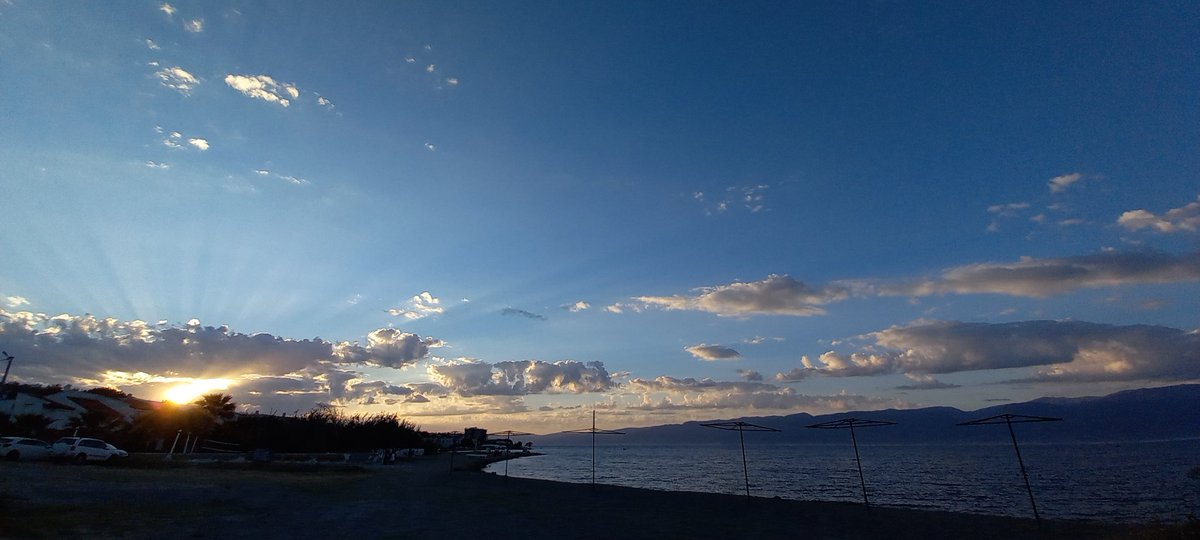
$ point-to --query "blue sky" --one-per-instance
(508, 215)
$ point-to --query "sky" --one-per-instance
(508, 215)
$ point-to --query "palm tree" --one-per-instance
(219, 406)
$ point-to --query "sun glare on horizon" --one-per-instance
(191, 391)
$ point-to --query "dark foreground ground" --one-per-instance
(423, 499)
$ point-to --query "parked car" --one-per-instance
(62, 447)
(85, 449)
(24, 449)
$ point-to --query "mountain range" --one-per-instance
(1171, 412)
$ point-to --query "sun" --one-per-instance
(191, 391)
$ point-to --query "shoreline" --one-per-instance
(423, 498)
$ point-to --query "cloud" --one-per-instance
(202, 144)
(263, 87)
(473, 378)
(1039, 278)
(452, 81)
(713, 352)
(420, 306)
(1176, 220)
(1007, 209)
(775, 295)
(73, 347)
(295, 180)
(521, 313)
(150, 44)
(577, 306)
(430, 147)
(749, 375)
(1058, 184)
(388, 347)
(751, 198)
(324, 102)
(16, 301)
(194, 26)
(669, 393)
(167, 8)
(430, 68)
(177, 79)
(156, 165)
(758, 340)
(925, 382)
(1061, 350)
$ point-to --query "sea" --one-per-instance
(1136, 482)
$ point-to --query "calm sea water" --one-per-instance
(1130, 482)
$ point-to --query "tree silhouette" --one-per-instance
(219, 406)
(95, 423)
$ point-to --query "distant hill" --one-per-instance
(1171, 412)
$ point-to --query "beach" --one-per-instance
(424, 499)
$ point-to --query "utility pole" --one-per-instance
(9, 358)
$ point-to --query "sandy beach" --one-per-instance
(423, 499)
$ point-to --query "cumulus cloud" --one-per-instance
(67, 347)
(420, 306)
(1059, 184)
(577, 306)
(1060, 350)
(1041, 278)
(713, 352)
(388, 347)
(669, 393)
(167, 8)
(474, 378)
(775, 295)
(431, 147)
(150, 44)
(263, 87)
(452, 81)
(324, 102)
(177, 79)
(202, 144)
(194, 26)
(521, 313)
(16, 301)
(1183, 219)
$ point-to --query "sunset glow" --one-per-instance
(191, 391)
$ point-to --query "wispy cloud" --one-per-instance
(430, 147)
(150, 44)
(167, 8)
(521, 313)
(1059, 184)
(294, 180)
(775, 295)
(194, 26)
(1040, 278)
(177, 79)
(713, 352)
(157, 165)
(749, 375)
(420, 306)
(751, 198)
(670, 393)
(263, 87)
(1176, 220)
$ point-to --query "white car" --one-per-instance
(23, 449)
(84, 449)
